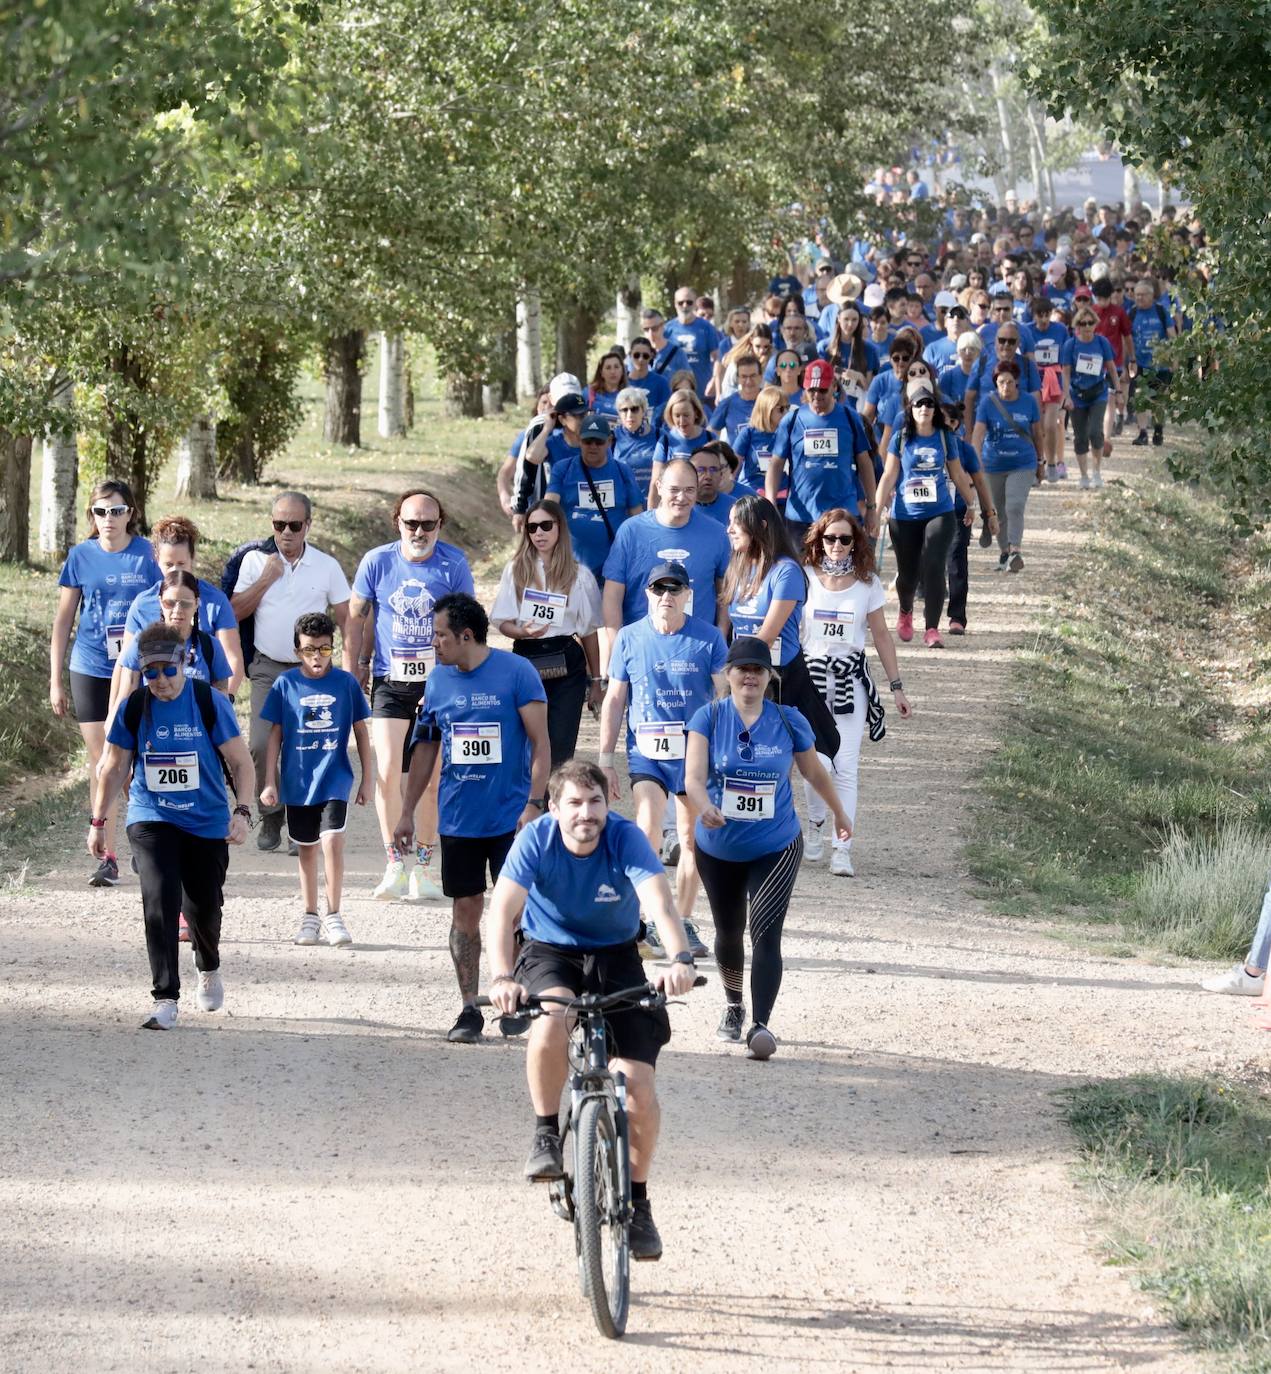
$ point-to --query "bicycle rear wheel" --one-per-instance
(603, 1230)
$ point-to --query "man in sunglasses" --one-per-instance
(640, 374)
(941, 353)
(179, 820)
(668, 357)
(276, 589)
(1010, 342)
(697, 338)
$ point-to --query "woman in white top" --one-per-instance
(548, 605)
(844, 598)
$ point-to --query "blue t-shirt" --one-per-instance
(582, 902)
(215, 612)
(108, 585)
(603, 402)
(1004, 449)
(988, 332)
(1089, 363)
(700, 544)
(317, 715)
(616, 490)
(670, 678)
(820, 454)
(924, 488)
(658, 390)
(674, 443)
(940, 354)
(719, 507)
(1149, 330)
(638, 452)
(750, 781)
(784, 581)
(970, 465)
(884, 384)
(1048, 343)
(697, 340)
(669, 359)
(403, 594)
(981, 379)
(485, 750)
(176, 776)
(754, 448)
(196, 665)
(730, 415)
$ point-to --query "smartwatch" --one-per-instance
(684, 957)
(540, 802)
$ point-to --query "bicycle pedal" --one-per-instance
(559, 1196)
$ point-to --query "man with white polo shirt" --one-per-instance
(277, 589)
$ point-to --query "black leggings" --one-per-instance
(765, 883)
(180, 874)
(959, 574)
(922, 553)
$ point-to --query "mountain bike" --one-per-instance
(595, 1193)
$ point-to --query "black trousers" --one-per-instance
(565, 695)
(797, 689)
(922, 552)
(959, 576)
(180, 873)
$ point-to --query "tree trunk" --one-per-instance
(408, 398)
(461, 397)
(342, 420)
(1037, 132)
(529, 347)
(196, 461)
(59, 477)
(492, 398)
(126, 438)
(15, 496)
(574, 330)
(1004, 129)
(1131, 191)
(628, 310)
(245, 460)
(392, 418)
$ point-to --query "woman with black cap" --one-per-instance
(739, 753)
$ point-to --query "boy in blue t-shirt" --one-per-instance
(312, 710)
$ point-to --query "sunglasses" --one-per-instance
(688, 300)
(787, 367)
(539, 526)
(918, 372)
(836, 538)
(924, 404)
(168, 670)
(642, 357)
(667, 588)
(415, 525)
(744, 751)
(182, 605)
(102, 511)
(630, 410)
(955, 312)
(295, 526)
(309, 650)
(815, 390)
(1007, 339)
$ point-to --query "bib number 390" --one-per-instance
(477, 743)
(744, 800)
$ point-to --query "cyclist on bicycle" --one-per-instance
(577, 879)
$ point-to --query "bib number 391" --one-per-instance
(744, 800)
(477, 743)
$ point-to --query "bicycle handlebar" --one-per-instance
(644, 995)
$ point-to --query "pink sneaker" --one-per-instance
(932, 640)
(905, 626)
(183, 930)
(956, 627)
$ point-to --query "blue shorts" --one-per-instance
(668, 776)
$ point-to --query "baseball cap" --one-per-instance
(163, 653)
(569, 403)
(944, 299)
(671, 571)
(873, 295)
(957, 282)
(1082, 293)
(818, 373)
(561, 384)
(1056, 269)
(749, 649)
(595, 426)
(918, 387)
(978, 238)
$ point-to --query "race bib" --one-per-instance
(748, 801)
(476, 743)
(1046, 352)
(114, 641)
(834, 626)
(821, 443)
(761, 462)
(920, 491)
(542, 608)
(853, 388)
(604, 490)
(661, 740)
(411, 665)
(172, 772)
(1089, 364)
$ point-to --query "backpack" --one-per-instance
(229, 579)
(204, 697)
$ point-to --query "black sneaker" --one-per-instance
(293, 848)
(670, 848)
(761, 1042)
(1158, 436)
(468, 1027)
(107, 874)
(545, 1163)
(646, 1243)
(732, 1021)
(1118, 425)
(696, 945)
(270, 836)
(516, 1024)
(1139, 440)
(986, 534)
(1017, 562)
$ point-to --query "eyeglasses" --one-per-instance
(102, 511)
(688, 300)
(925, 403)
(918, 372)
(836, 538)
(1008, 338)
(787, 367)
(309, 650)
(642, 357)
(815, 390)
(744, 751)
(667, 588)
(295, 526)
(630, 410)
(588, 440)
(702, 470)
(413, 525)
(182, 605)
(539, 526)
(168, 670)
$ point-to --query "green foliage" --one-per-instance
(1184, 90)
(263, 410)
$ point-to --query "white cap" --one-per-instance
(562, 384)
(978, 237)
(1098, 270)
(944, 299)
(957, 282)
(873, 296)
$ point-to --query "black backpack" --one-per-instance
(229, 579)
(204, 698)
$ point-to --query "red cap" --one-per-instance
(1082, 293)
(819, 374)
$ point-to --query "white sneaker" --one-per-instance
(841, 864)
(334, 931)
(392, 884)
(1084, 484)
(162, 1017)
(1096, 480)
(1236, 982)
(211, 991)
(309, 929)
(423, 887)
(814, 844)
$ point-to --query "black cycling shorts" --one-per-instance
(308, 824)
(90, 696)
(465, 858)
(395, 700)
(636, 1033)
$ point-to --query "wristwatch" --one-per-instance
(684, 957)
(540, 802)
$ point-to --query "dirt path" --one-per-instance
(314, 1180)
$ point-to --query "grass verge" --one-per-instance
(1181, 1166)
(1129, 727)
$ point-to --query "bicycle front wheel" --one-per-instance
(603, 1230)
